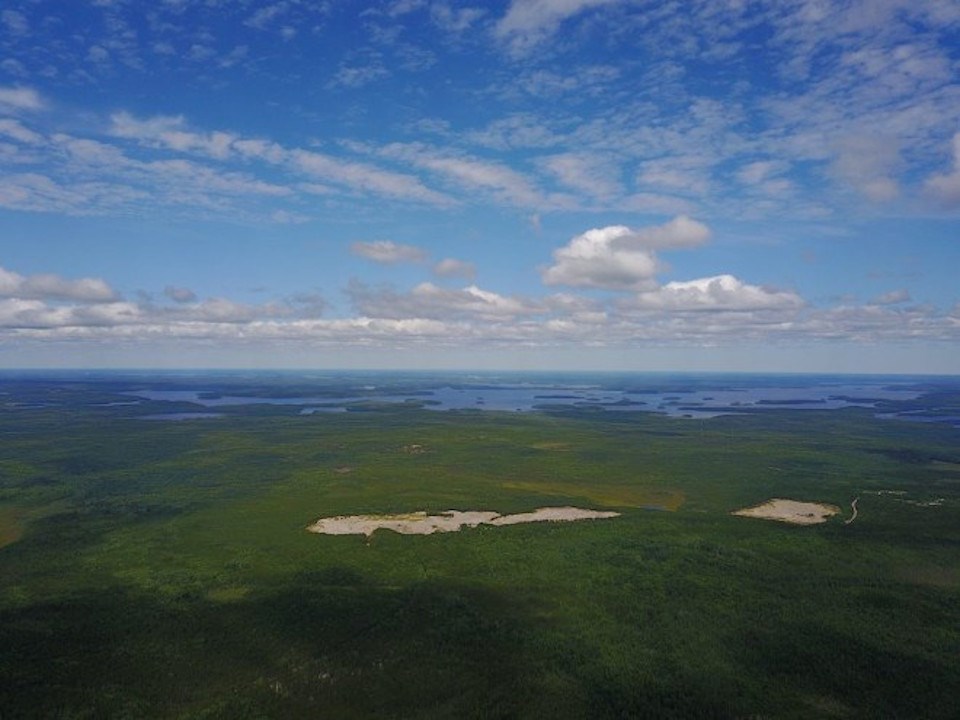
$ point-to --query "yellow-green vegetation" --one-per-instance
(165, 569)
(10, 525)
(609, 495)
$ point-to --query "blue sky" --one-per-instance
(590, 184)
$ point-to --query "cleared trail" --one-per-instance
(853, 506)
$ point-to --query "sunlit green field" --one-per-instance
(163, 569)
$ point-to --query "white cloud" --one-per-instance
(681, 232)
(170, 132)
(402, 7)
(427, 300)
(528, 22)
(361, 176)
(451, 267)
(593, 260)
(893, 297)
(355, 76)
(506, 184)
(262, 18)
(14, 129)
(722, 292)
(212, 181)
(388, 252)
(714, 311)
(34, 314)
(222, 310)
(20, 98)
(180, 294)
(592, 175)
(98, 55)
(49, 286)
(454, 20)
(759, 171)
(522, 130)
(867, 163)
(945, 188)
(620, 258)
(684, 174)
(16, 22)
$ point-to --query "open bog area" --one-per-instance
(599, 568)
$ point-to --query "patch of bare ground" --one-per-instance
(853, 507)
(790, 511)
(420, 523)
(10, 528)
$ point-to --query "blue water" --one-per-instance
(180, 416)
(700, 396)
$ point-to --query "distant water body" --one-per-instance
(695, 396)
(188, 395)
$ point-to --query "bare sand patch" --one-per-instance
(790, 511)
(553, 514)
(556, 446)
(419, 523)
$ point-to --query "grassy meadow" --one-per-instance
(162, 569)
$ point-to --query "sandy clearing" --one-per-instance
(553, 514)
(419, 523)
(790, 511)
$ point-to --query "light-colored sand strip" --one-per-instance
(853, 506)
(553, 514)
(790, 511)
(419, 523)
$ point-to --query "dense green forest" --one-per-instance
(163, 569)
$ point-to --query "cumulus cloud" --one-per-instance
(945, 188)
(706, 311)
(49, 286)
(722, 292)
(28, 314)
(388, 252)
(451, 267)
(620, 258)
(594, 260)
